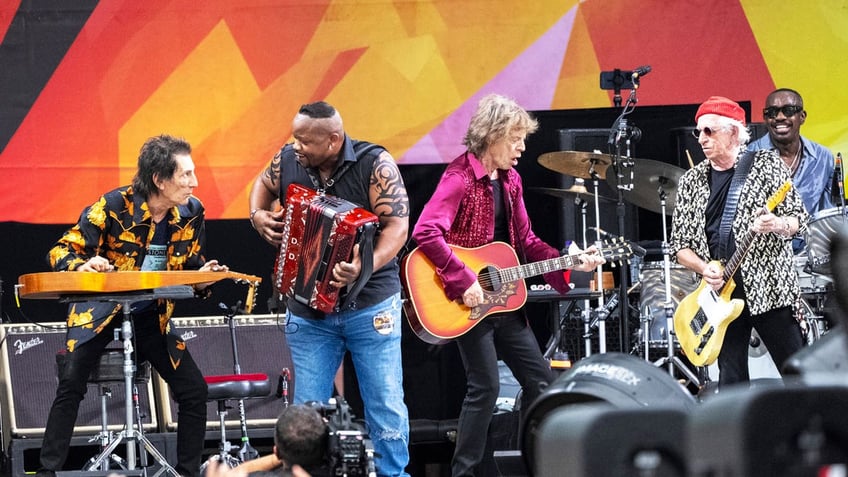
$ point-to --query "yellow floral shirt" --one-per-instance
(119, 227)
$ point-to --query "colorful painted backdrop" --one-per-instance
(83, 86)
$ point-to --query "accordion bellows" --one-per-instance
(319, 231)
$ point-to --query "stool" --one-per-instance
(227, 387)
(110, 369)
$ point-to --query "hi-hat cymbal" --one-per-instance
(576, 163)
(649, 179)
(573, 192)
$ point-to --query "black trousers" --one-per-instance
(779, 331)
(186, 382)
(510, 337)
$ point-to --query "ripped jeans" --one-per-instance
(372, 335)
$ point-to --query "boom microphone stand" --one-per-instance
(621, 136)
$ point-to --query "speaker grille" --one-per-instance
(262, 348)
(29, 379)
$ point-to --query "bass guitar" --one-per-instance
(701, 319)
(436, 319)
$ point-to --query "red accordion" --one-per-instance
(319, 232)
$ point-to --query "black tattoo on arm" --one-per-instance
(272, 172)
(388, 193)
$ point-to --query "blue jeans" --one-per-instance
(372, 335)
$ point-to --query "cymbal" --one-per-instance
(649, 177)
(576, 163)
(573, 192)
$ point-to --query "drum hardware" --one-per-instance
(670, 359)
(821, 228)
(577, 191)
(650, 175)
(576, 163)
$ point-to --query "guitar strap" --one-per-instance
(726, 243)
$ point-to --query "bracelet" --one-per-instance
(786, 229)
(252, 213)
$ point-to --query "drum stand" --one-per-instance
(599, 315)
(670, 359)
(129, 433)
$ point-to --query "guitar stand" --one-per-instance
(670, 359)
(132, 435)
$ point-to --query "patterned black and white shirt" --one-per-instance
(768, 273)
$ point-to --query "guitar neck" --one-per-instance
(738, 255)
(745, 244)
(520, 272)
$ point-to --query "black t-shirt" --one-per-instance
(719, 187)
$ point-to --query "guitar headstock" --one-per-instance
(616, 250)
(778, 196)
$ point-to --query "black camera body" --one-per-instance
(350, 451)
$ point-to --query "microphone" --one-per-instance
(640, 71)
(603, 233)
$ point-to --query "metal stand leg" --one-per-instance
(133, 436)
(246, 451)
(670, 359)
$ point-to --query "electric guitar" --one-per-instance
(701, 318)
(436, 319)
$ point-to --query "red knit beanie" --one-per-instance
(723, 107)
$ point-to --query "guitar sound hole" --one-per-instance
(489, 279)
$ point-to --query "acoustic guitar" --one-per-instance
(436, 319)
(701, 319)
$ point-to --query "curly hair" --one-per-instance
(496, 117)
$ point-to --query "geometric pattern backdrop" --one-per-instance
(83, 83)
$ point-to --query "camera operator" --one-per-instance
(300, 439)
(321, 438)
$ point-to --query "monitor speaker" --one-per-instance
(262, 348)
(600, 440)
(764, 431)
(617, 379)
(28, 372)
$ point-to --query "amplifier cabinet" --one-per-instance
(28, 380)
(262, 348)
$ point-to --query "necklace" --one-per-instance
(794, 165)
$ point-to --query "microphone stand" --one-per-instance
(619, 142)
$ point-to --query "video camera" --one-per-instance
(350, 451)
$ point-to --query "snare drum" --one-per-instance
(652, 299)
(820, 229)
(810, 283)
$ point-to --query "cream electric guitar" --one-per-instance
(701, 318)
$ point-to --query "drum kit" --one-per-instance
(660, 285)
(650, 185)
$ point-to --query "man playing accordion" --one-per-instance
(322, 157)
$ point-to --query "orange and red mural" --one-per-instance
(229, 75)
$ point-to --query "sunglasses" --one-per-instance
(788, 111)
(708, 131)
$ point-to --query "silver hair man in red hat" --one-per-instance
(735, 217)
